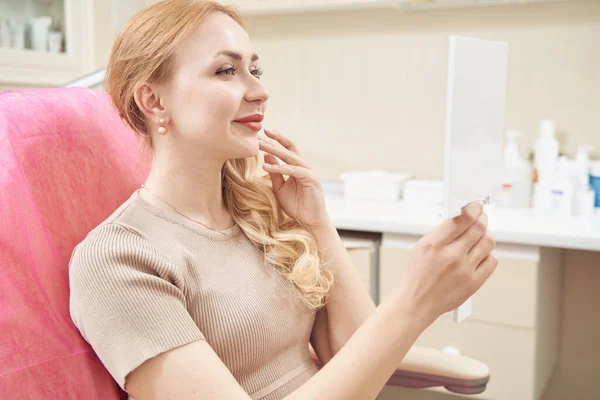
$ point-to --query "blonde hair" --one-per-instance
(144, 52)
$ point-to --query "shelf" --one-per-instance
(273, 7)
(280, 7)
(37, 68)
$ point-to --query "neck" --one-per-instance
(194, 190)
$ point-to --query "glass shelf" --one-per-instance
(33, 25)
(45, 42)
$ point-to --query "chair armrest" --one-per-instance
(424, 367)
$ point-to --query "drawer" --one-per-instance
(510, 296)
(363, 248)
(508, 351)
(362, 259)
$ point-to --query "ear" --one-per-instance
(149, 102)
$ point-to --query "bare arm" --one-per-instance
(361, 368)
(349, 304)
(193, 371)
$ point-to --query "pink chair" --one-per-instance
(66, 162)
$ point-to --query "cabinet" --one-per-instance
(31, 56)
(363, 249)
(430, 4)
(514, 326)
(254, 7)
(266, 7)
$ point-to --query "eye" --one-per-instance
(227, 71)
(257, 72)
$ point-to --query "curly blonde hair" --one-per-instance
(144, 52)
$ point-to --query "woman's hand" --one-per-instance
(448, 265)
(301, 194)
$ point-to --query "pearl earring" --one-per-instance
(162, 130)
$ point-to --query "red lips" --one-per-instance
(252, 122)
(251, 118)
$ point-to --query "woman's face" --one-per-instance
(215, 83)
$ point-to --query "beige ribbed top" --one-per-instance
(147, 280)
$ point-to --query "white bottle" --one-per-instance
(516, 185)
(4, 33)
(582, 190)
(40, 27)
(581, 166)
(562, 189)
(545, 157)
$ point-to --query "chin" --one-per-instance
(247, 147)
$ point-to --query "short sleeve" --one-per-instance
(123, 301)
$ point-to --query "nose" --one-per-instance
(256, 92)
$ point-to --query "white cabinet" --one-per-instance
(253, 7)
(266, 7)
(428, 4)
(23, 63)
(514, 327)
(363, 249)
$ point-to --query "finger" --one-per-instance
(452, 228)
(482, 249)
(471, 236)
(284, 154)
(276, 178)
(485, 269)
(285, 141)
(282, 142)
(300, 173)
(271, 159)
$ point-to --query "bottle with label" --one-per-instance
(517, 178)
(562, 189)
(546, 155)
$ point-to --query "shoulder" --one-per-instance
(115, 239)
(113, 253)
(115, 265)
(106, 241)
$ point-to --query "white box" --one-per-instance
(423, 193)
(374, 185)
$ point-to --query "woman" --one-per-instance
(210, 282)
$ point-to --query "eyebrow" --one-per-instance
(235, 55)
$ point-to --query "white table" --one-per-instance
(519, 226)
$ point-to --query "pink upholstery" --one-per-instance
(66, 162)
